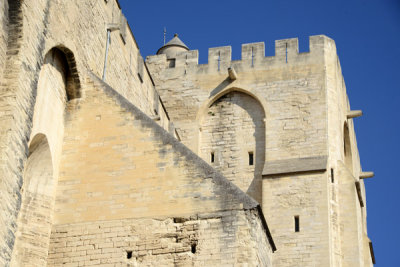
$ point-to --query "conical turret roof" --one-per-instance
(174, 42)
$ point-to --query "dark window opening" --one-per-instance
(179, 220)
(171, 63)
(129, 254)
(140, 78)
(348, 160)
(296, 224)
(212, 157)
(251, 158)
(286, 52)
(193, 248)
(332, 176)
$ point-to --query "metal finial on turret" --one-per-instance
(165, 33)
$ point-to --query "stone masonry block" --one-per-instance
(219, 58)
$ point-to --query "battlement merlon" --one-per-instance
(253, 55)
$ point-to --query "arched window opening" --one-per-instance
(348, 160)
(35, 217)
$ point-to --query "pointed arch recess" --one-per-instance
(73, 84)
(347, 151)
(203, 108)
(35, 217)
(232, 137)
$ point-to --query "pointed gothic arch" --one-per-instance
(58, 83)
(35, 216)
(67, 58)
(232, 138)
(203, 108)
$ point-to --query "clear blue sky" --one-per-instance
(367, 35)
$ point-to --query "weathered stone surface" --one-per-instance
(212, 239)
(311, 164)
(134, 167)
(3, 34)
(304, 107)
(93, 172)
(32, 29)
(233, 132)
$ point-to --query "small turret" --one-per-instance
(173, 47)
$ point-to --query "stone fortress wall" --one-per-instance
(138, 175)
(33, 29)
(52, 101)
(92, 172)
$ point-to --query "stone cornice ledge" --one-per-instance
(295, 165)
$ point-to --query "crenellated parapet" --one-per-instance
(252, 56)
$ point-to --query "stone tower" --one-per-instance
(281, 129)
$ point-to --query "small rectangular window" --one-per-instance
(332, 176)
(212, 157)
(129, 254)
(171, 63)
(296, 223)
(251, 158)
(140, 67)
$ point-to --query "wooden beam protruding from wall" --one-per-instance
(354, 114)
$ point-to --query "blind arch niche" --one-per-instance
(233, 127)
